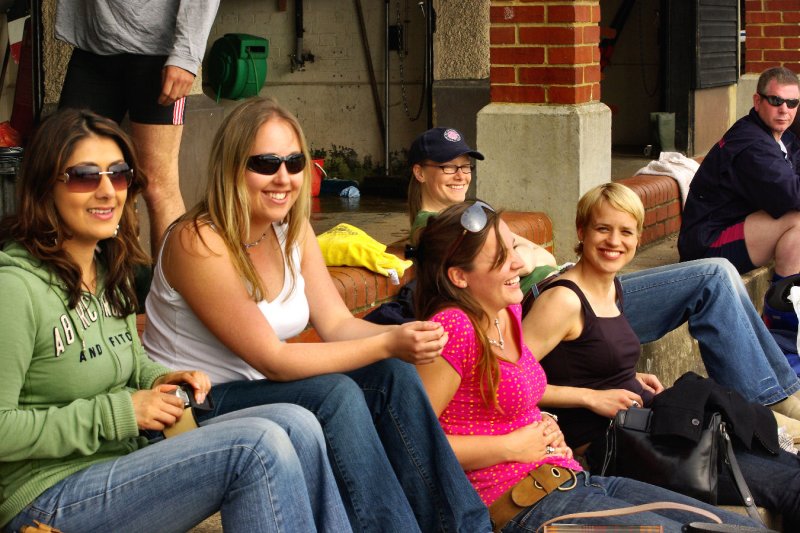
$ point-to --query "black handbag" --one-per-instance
(675, 463)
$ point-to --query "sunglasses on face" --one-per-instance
(777, 101)
(86, 178)
(268, 164)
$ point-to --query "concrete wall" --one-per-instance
(461, 68)
(461, 44)
(744, 94)
(544, 158)
(332, 96)
(715, 111)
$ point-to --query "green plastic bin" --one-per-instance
(237, 65)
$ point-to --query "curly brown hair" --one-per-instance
(38, 227)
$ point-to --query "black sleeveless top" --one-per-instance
(603, 357)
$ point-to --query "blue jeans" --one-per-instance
(595, 493)
(265, 469)
(738, 351)
(393, 463)
(774, 481)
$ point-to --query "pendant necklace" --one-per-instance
(499, 343)
(248, 245)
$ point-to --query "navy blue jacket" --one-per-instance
(744, 172)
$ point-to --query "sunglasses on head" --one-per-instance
(777, 101)
(268, 164)
(86, 178)
(473, 220)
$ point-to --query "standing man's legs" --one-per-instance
(156, 129)
(158, 146)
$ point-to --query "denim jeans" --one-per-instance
(738, 351)
(595, 493)
(393, 463)
(774, 481)
(265, 469)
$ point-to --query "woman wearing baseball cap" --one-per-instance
(441, 167)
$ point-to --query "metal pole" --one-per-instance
(373, 81)
(386, 93)
(37, 79)
(430, 29)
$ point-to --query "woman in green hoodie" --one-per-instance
(77, 387)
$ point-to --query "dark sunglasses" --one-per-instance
(777, 101)
(473, 220)
(268, 164)
(86, 178)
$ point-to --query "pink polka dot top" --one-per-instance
(521, 386)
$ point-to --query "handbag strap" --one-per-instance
(738, 479)
(619, 511)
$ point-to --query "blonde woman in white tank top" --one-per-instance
(242, 272)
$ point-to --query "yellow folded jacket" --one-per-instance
(346, 245)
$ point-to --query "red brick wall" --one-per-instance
(662, 205)
(545, 51)
(773, 34)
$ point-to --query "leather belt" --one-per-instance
(537, 484)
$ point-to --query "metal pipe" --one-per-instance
(386, 93)
(298, 62)
(373, 81)
(430, 29)
(37, 78)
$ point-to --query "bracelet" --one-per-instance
(551, 415)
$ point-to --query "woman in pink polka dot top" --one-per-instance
(486, 385)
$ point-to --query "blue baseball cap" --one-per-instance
(440, 145)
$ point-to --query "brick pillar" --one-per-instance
(545, 53)
(546, 135)
(773, 35)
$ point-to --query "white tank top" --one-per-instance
(175, 337)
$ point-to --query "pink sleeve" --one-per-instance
(460, 339)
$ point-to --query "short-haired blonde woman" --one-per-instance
(578, 331)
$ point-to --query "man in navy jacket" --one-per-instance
(744, 201)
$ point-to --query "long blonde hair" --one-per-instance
(227, 202)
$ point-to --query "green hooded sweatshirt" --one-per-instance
(67, 379)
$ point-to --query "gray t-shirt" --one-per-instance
(175, 28)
